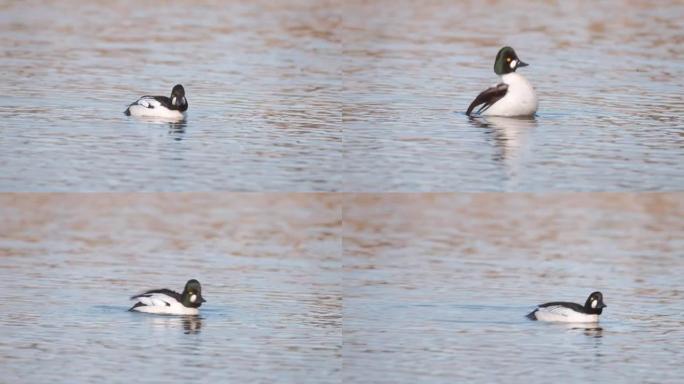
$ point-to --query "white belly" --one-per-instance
(520, 99)
(565, 315)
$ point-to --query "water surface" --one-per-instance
(316, 96)
(261, 81)
(608, 76)
(436, 288)
(269, 268)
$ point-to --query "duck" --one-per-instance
(167, 302)
(560, 311)
(513, 96)
(172, 107)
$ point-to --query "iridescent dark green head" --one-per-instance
(507, 61)
(192, 294)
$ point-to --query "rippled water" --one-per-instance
(608, 76)
(261, 80)
(310, 96)
(436, 287)
(316, 96)
(269, 267)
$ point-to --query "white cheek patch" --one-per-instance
(173, 101)
(193, 298)
(594, 303)
(513, 64)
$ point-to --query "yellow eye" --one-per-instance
(508, 59)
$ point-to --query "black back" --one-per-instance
(164, 291)
(165, 101)
(574, 306)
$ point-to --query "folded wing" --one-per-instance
(157, 297)
(562, 307)
(488, 97)
(147, 102)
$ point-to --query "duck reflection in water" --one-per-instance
(177, 129)
(509, 136)
(589, 329)
(192, 324)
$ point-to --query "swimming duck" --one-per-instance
(168, 302)
(173, 107)
(514, 96)
(570, 312)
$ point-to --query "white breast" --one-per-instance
(559, 313)
(520, 99)
(163, 304)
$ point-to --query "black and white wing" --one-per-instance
(150, 102)
(166, 292)
(147, 102)
(488, 97)
(557, 309)
(562, 306)
(157, 298)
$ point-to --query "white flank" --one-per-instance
(149, 107)
(157, 303)
(559, 313)
(520, 99)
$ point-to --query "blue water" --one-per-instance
(608, 77)
(269, 267)
(437, 287)
(260, 81)
(307, 96)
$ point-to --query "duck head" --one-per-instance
(507, 61)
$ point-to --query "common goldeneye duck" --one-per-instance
(168, 302)
(570, 312)
(514, 96)
(173, 107)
